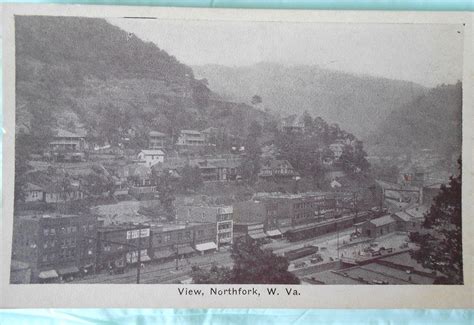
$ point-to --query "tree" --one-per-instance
(21, 167)
(308, 122)
(252, 265)
(166, 193)
(440, 245)
(256, 99)
(190, 178)
(213, 276)
(98, 184)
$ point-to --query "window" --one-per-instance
(188, 234)
(46, 231)
(200, 233)
(53, 231)
(167, 238)
(74, 228)
(180, 236)
(91, 227)
(158, 239)
(45, 258)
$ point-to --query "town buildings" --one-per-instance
(396, 268)
(220, 216)
(120, 245)
(55, 247)
(249, 230)
(377, 227)
(182, 240)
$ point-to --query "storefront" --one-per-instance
(206, 247)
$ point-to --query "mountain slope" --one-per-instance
(86, 73)
(431, 121)
(357, 103)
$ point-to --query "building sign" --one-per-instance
(132, 234)
(132, 257)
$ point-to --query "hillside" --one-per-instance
(357, 103)
(431, 121)
(86, 73)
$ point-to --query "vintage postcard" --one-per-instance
(165, 157)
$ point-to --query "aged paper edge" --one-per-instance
(164, 295)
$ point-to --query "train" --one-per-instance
(326, 227)
(300, 252)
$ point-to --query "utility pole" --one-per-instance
(177, 257)
(337, 231)
(139, 253)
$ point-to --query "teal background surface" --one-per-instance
(248, 316)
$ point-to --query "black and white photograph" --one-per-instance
(153, 151)
(236, 152)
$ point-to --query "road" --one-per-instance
(161, 272)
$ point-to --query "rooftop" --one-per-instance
(150, 152)
(156, 134)
(332, 277)
(60, 133)
(403, 215)
(418, 212)
(201, 213)
(382, 221)
(191, 132)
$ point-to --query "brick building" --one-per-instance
(171, 241)
(119, 245)
(56, 247)
(220, 216)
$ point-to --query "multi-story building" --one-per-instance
(288, 210)
(65, 141)
(156, 140)
(119, 245)
(55, 247)
(220, 216)
(182, 240)
(191, 138)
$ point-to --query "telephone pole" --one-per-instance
(139, 253)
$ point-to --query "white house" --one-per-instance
(191, 138)
(151, 157)
(337, 149)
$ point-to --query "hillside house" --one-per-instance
(191, 138)
(33, 193)
(277, 168)
(291, 125)
(55, 193)
(151, 157)
(156, 140)
(65, 141)
(337, 148)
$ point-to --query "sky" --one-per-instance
(428, 54)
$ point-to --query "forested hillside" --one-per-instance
(357, 103)
(86, 74)
(431, 121)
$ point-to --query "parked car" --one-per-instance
(300, 265)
